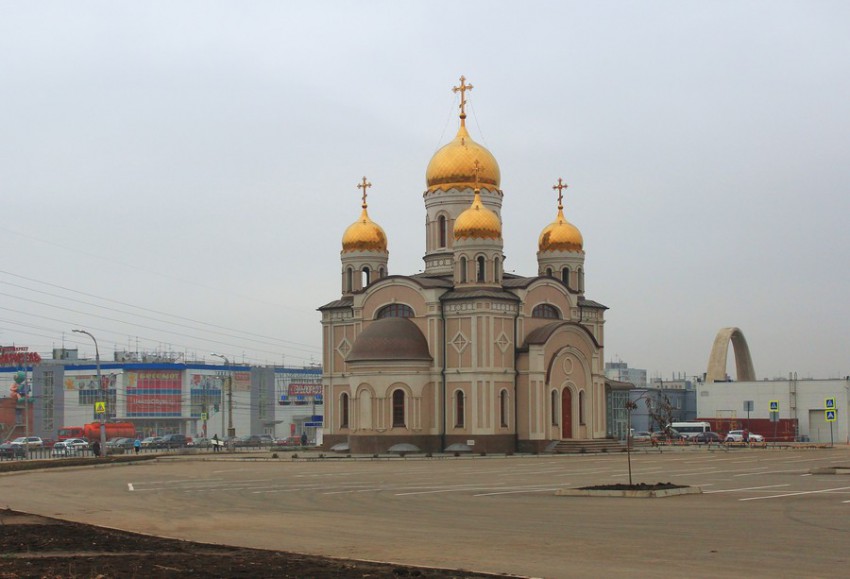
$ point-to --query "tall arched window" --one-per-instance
(462, 270)
(548, 272)
(459, 411)
(382, 273)
(496, 272)
(581, 407)
(443, 230)
(398, 408)
(349, 279)
(395, 311)
(480, 274)
(580, 280)
(554, 408)
(503, 408)
(343, 411)
(565, 276)
(367, 276)
(546, 311)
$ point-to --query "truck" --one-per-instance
(91, 431)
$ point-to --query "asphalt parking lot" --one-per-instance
(762, 512)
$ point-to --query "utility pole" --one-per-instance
(103, 393)
(230, 430)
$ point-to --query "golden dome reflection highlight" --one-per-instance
(560, 235)
(364, 234)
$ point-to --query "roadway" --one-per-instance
(762, 513)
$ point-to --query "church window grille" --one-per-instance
(443, 230)
(546, 311)
(395, 311)
(480, 275)
(398, 408)
(343, 411)
(503, 408)
(462, 270)
(459, 409)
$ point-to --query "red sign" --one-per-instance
(305, 389)
(154, 393)
(18, 356)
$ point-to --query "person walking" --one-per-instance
(303, 439)
(216, 447)
(137, 445)
(95, 448)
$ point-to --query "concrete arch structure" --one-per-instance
(717, 360)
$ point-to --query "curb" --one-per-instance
(659, 494)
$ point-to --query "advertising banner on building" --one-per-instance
(242, 381)
(305, 389)
(85, 382)
(154, 393)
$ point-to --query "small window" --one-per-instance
(395, 311)
(462, 270)
(367, 277)
(565, 276)
(503, 408)
(443, 230)
(480, 268)
(496, 270)
(459, 414)
(349, 279)
(580, 280)
(548, 272)
(381, 273)
(581, 407)
(554, 408)
(398, 408)
(546, 311)
(343, 411)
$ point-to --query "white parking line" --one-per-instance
(746, 489)
(354, 491)
(796, 494)
(512, 492)
(130, 486)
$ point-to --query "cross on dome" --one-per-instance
(560, 187)
(364, 185)
(462, 90)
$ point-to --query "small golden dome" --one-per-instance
(454, 164)
(477, 221)
(560, 235)
(364, 234)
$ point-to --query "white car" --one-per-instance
(738, 436)
(70, 447)
(29, 441)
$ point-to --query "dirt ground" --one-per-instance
(33, 546)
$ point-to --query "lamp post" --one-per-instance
(231, 432)
(100, 389)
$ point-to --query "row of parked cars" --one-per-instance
(672, 435)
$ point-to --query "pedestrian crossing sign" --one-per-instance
(100, 407)
(829, 404)
(774, 405)
(830, 415)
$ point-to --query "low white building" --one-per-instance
(802, 400)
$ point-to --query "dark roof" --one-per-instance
(585, 303)
(517, 281)
(390, 339)
(618, 384)
(345, 302)
(541, 335)
(467, 294)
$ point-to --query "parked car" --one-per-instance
(642, 435)
(120, 442)
(706, 438)
(669, 435)
(151, 442)
(65, 448)
(173, 441)
(30, 441)
(738, 436)
(9, 450)
(200, 442)
(255, 440)
(288, 441)
(78, 443)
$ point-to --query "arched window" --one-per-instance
(459, 414)
(480, 275)
(462, 270)
(565, 276)
(581, 407)
(381, 273)
(395, 311)
(497, 273)
(546, 311)
(349, 279)
(367, 277)
(443, 229)
(343, 411)
(554, 408)
(398, 408)
(503, 408)
(548, 272)
(580, 280)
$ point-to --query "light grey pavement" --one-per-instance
(762, 513)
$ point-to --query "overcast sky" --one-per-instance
(178, 175)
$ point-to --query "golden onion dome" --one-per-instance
(477, 222)
(454, 164)
(560, 235)
(364, 234)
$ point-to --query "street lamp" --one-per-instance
(100, 389)
(231, 432)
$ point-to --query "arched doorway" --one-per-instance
(566, 413)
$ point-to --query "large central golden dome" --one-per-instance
(477, 222)
(454, 164)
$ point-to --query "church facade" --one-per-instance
(462, 355)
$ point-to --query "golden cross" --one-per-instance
(560, 187)
(364, 185)
(462, 90)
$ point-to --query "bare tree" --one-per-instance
(661, 412)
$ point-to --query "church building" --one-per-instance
(462, 355)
